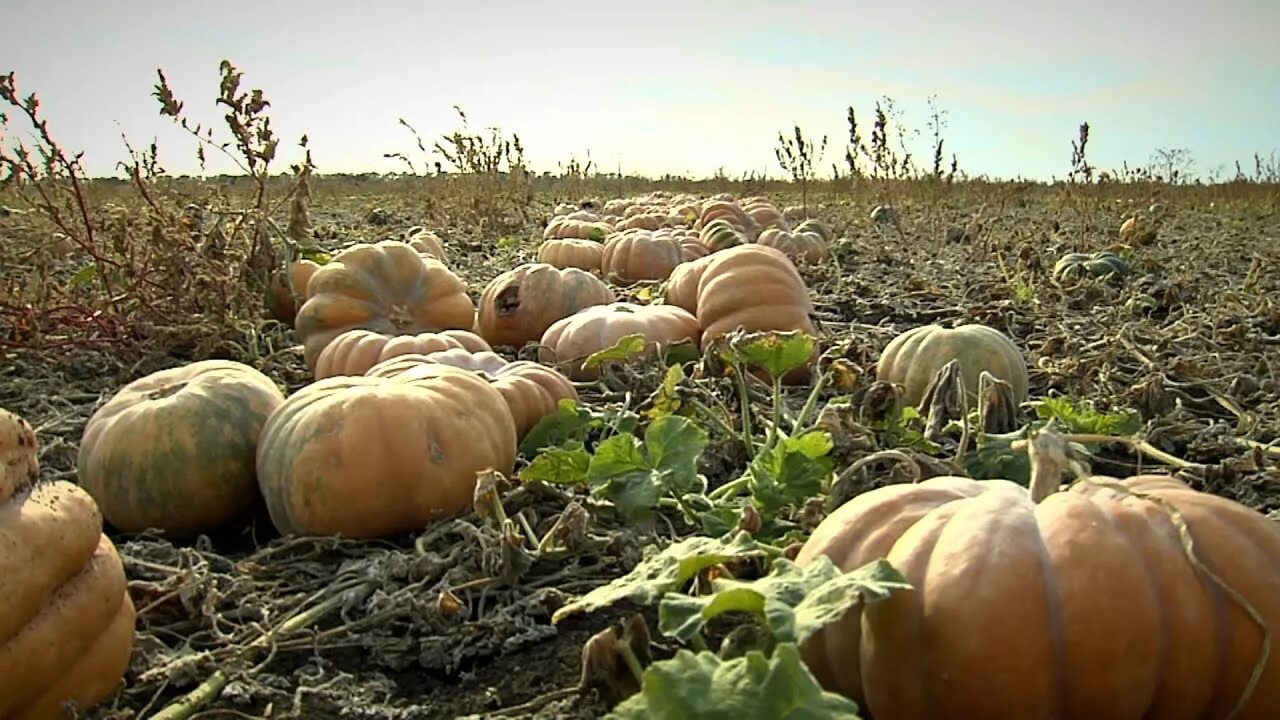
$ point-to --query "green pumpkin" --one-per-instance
(1073, 267)
(720, 234)
(914, 357)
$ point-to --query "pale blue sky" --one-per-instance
(667, 86)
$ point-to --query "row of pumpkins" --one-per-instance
(1063, 606)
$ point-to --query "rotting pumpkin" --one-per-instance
(519, 305)
(66, 618)
(368, 457)
(1045, 604)
(174, 450)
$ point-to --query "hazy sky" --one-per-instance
(667, 86)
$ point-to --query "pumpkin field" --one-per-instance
(488, 443)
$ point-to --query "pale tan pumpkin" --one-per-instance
(387, 287)
(572, 253)
(369, 457)
(174, 450)
(355, 351)
(572, 340)
(1082, 604)
(635, 255)
(66, 619)
(806, 247)
(531, 391)
(914, 357)
(426, 243)
(520, 304)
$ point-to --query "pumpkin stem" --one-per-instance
(1050, 457)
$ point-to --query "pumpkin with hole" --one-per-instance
(174, 450)
(355, 351)
(282, 299)
(532, 391)
(387, 287)
(368, 457)
(572, 340)
(636, 255)
(914, 357)
(572, 253)
(1076, 604)
(520, 304)
(66, 619)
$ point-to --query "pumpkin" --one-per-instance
(692, 249)
(1073, 267)
(818, 227)
(387, 287)
(804, 247)
(797, 212)
(355, 351)
(520, 304)
(884, 215)
(572, 340)
(174, 450)
(750, 287)
(1075, 604)
(1137, 231)
(763, 213)
(369, 457)
(282, 299)
(572, 253)
(531, 391)
(66, 619)
(565, 227)
(727, 210)
(426, 243)
(644, 221)
(721, 234)
(914, 357)
(635, 255)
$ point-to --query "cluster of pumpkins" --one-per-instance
(1083, 603)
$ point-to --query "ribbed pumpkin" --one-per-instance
(1074, 267)
(426, 243)
(66, 619)
(368, 457)
(813, 225)
(355, 351)
(1076, 604)
(635, 255)
(520, 304)
(914, 357)
(721, 234)
(532, 391)
(387, 287)
(572, 340)
(752, 287)
(174, 450)
(801, 247)
(572, 253)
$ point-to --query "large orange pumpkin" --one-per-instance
(1081, 605)
(355, 351)
(66, 619)
(520, 304)
(572, 253)
(174, 450)
(387, 287)
(532, 391)
(635, 255)
(572, 340)
(368, 457)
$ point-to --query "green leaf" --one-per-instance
(751, 687)
(83, 276)
(568, 422)
(776, 352)
(1085, 418)
(667, 401)
(664, 571)
(634, 475)
(994, 457)
(315, 255)
(792, 602)
(567, 465)
(596, 233)
(507, 242)
(627, 348)
(793, 470)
